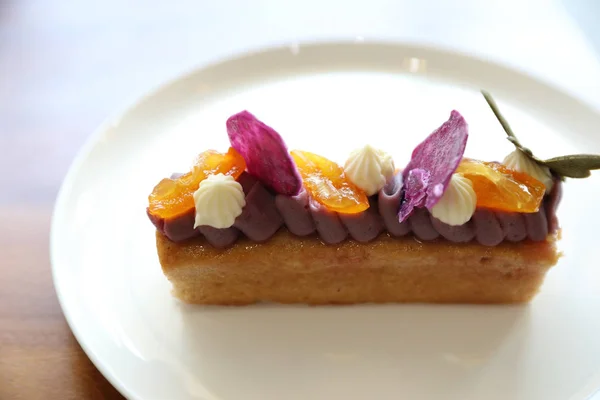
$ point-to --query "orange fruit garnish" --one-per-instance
(174, 197)
(502, 189)
(326, 182)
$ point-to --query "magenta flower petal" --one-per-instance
(415, 192)
(432, 164)
(265, 153)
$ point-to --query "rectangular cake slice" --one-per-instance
(290, 269)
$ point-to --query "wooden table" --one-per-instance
(64, 67)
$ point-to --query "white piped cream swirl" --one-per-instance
(519, 161)
(458, 203)
(369, 169)
(219, 201)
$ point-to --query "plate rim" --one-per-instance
(65, 189)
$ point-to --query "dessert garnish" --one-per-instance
(502, 189)
(369, 168)
(415, 192)
(327, 184)
(571, 166)
(436, 159)
(265, 152)
(257, 188)
(458, 204)
(174, 197)
(519, 161)
(219, 201)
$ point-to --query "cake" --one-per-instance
(259, 223)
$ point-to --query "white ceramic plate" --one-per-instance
(327, 98)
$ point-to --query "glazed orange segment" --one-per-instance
(174, 197)
(502, 189)
(326, 182)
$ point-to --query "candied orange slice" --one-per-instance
(174, 197)
(326, 182)
(502, 189)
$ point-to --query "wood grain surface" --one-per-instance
(64, 67)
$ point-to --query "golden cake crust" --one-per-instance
(289, 269)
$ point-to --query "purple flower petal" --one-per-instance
(415, 192)
(265, 153)
(439, 155)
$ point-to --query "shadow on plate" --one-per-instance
(344, 352)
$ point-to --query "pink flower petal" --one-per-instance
(415, 192)
(438, 155)
(265, 153)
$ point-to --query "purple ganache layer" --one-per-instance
(265, 213)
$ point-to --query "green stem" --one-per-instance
(503, 122)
